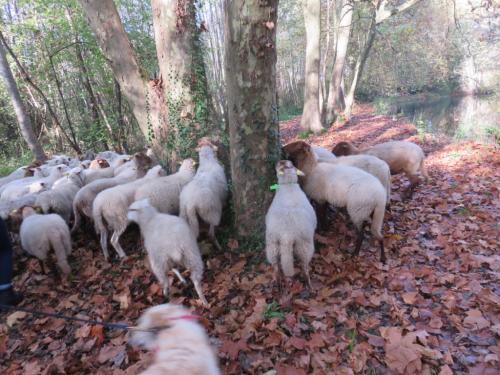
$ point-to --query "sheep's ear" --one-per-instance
(300, 173)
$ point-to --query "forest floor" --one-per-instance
(433, 309)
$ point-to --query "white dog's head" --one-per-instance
(156, 319)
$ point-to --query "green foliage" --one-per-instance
(273, 310)
(288, 112)
(10, 164)
(305, 134)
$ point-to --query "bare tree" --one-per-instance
(22, 118)
(311, 118)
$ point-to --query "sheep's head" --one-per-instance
(99, 163)
(156, 319)
(136, 208)
(27, 211)
(344, 149)
(156, 171)
(142, 161)
(300, 153)
(188, 165)
(206, 148)
(286, 172)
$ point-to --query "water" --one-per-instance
(461, 118)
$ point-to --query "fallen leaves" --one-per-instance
(475, 320)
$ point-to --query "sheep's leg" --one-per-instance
(116, 244)
(199, 290)
(359, 241)
(277, 277)
(104, 244)
(382, 252)
(305, 268)
(305, 251)
(179, 276)
(322, 214)
(213, 239)
(414, 180)
(42, 266)
(161, 275)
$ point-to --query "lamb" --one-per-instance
(60, 198)
(16, 175)
(342, 186)
(82, 204)
(7, 207)
(164, 192)
(169, 241)
(180, 344)
(110, 206)
(16, 190)
(205, 195)
(40, 233)
(401, 156)
(290, 224)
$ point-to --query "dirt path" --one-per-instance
(433, 309)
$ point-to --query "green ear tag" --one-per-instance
(274, 187)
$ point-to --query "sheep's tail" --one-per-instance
(60, 246)
(378, 220)
(188, 213)
(286, 258)
(423, 169)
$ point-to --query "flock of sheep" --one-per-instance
(113, 190)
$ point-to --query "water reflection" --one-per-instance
(469, 117)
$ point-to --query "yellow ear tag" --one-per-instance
(280, 173)
(300, 173)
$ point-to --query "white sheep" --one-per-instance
(401, 156)
(59, 199)
(110, 210)
(16, 175)
(342, 186)
(40, 233)
(322, 154)
(169, 242)
(290, 224)
(15, 190)
(164, 192)
(205, 195)
(82, 204)
(108, 171)
(7, 207)
(180, 343)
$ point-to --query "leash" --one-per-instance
(121, 326)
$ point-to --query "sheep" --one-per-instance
(108, 155)
(290, 224)
(60, 198)
(40, 233)
(106, 170)
(16, 189)
(164, 192)
(180, 343)
(82, 203)
(401, 156)
(205, 195)
(110, 206)
(322, 154)
(98, 164)
(85, 164)
(169, 241)
(7, 207)
(342, 186)
(16, 175)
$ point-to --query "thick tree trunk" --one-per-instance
(183, 76)
(253, 123)
(145, 98)
(335, 93)
(22, 117)
(311, 119)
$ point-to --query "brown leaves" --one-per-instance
(402, 354)
(475, 320)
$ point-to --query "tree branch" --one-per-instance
(383, 13)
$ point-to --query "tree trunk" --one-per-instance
(183, 78)
(311, 119)
(145, 98)
(22, 117)
(335, 93)
(253, 124)
(360, 64)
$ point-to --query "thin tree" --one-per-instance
(252, 109)
(311, 117)
(22, 117)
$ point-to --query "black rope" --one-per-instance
(121, 326)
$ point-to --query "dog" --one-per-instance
(180, 343)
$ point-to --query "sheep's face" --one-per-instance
(343, 149)
(300, 153)
(136, 208)
(188, 165)
(156, 171)
(36, 187)
(155, 319)
(142, 161)
(27, 211)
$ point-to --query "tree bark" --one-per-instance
(253, 124)
(183, 78)
(145, 98)
(311, 118)
(22, 117)
(335, 93)
(30, 82)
